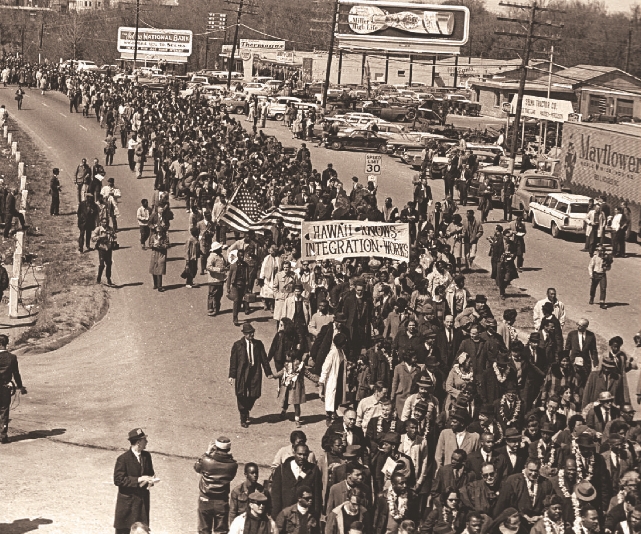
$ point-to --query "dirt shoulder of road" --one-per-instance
(68, 301)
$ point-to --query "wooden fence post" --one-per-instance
(17, 272)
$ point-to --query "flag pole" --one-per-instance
(229, 202)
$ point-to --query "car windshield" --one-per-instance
(543, 183)
(575, 207)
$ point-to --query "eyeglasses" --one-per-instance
(259, 503)
(489, 475)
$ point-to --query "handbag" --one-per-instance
(186, 272)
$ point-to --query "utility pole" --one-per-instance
(529, 38)
(234, 44)
(136, 35)
(330, 52)
(627, 57)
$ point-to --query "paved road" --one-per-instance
(157, 361)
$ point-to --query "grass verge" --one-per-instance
(69, 301)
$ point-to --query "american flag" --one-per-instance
(243, 213)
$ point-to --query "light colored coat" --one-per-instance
(268, 271)
(447, 445)
(290, 308)
(329, 376)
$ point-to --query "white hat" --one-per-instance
(215, 246)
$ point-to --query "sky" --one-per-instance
(613, 5)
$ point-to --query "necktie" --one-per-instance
(250, 353)
(606, 416)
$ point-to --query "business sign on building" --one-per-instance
(604, 160)
(153, 44)
(393, 26)
(539, 107)
(258, 44)
(322, 240)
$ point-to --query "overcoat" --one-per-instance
(132, 503)
(249, 379)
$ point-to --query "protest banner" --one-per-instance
(342, 239)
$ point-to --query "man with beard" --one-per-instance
(564, 484)
(393, 506)
(381, 424)
(323, 342)
(481, 495)
(486, 454)
(255, 520)
(526, 492)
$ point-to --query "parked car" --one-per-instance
(235, 103)
(391, 110)
(560, 212)
(532, 186)
(359, 139)
(496, 176)
(255, 88)
(278, 106)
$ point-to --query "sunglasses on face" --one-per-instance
(489, 475)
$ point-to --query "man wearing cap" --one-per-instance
(9, 375)
(133, 475)
(582, 342)
(246, 365)
(602, 412)
(255, 520)
(217, 468)
(605, 379)
(455, 437)
(217, 276)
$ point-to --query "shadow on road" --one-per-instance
(130, 284)
(616, 304)
(17, 325)
(528, 269)
(19, 526)
(38, 434)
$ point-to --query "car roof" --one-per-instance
(494, 169)
(570, 198)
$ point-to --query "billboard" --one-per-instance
(543, 108)
(153, 44)
(402, 26)
(261, 44)
(605, 160)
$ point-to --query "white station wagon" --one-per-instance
(560, 212)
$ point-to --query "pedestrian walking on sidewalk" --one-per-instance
(19, 96)
(10, 380)
(246, 365)
(104, 238)
(598, 267)
(133, 475)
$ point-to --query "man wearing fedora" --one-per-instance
(133, 475)
(246, 365)
(455, 437)
(605, 379)
(546, 450)
(217, 276)
(591, 467)
(514, 454)
(602, 412)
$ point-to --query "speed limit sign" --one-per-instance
(373, 163)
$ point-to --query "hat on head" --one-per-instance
(215, 246)
(585, 440)
(535, 337)
(392, 437)
(247, 328)
(425, 382)
(298, 286)
(460, 415)
(487, 409)
(502, 359)
(340, 318)
(605, 396)
(352, 451)
(512, 434)
(480, 298)
(136, 433)
(585, 491)
(548, 428)
(223, 443)
(256, 496)
(470, 212)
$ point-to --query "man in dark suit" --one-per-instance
(486, 454)
(237, 281)
(601, 413)
(456, 474)
(513, 453)
(358, 310)
(581, 342)
(345, 428)
(87, 219)
(447, 342)
(248, 356)
(292, 474)
(549, 414)
(134, 475)
(516, 492)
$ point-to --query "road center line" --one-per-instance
(45, 105)
(61, 113)
(85, 129)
